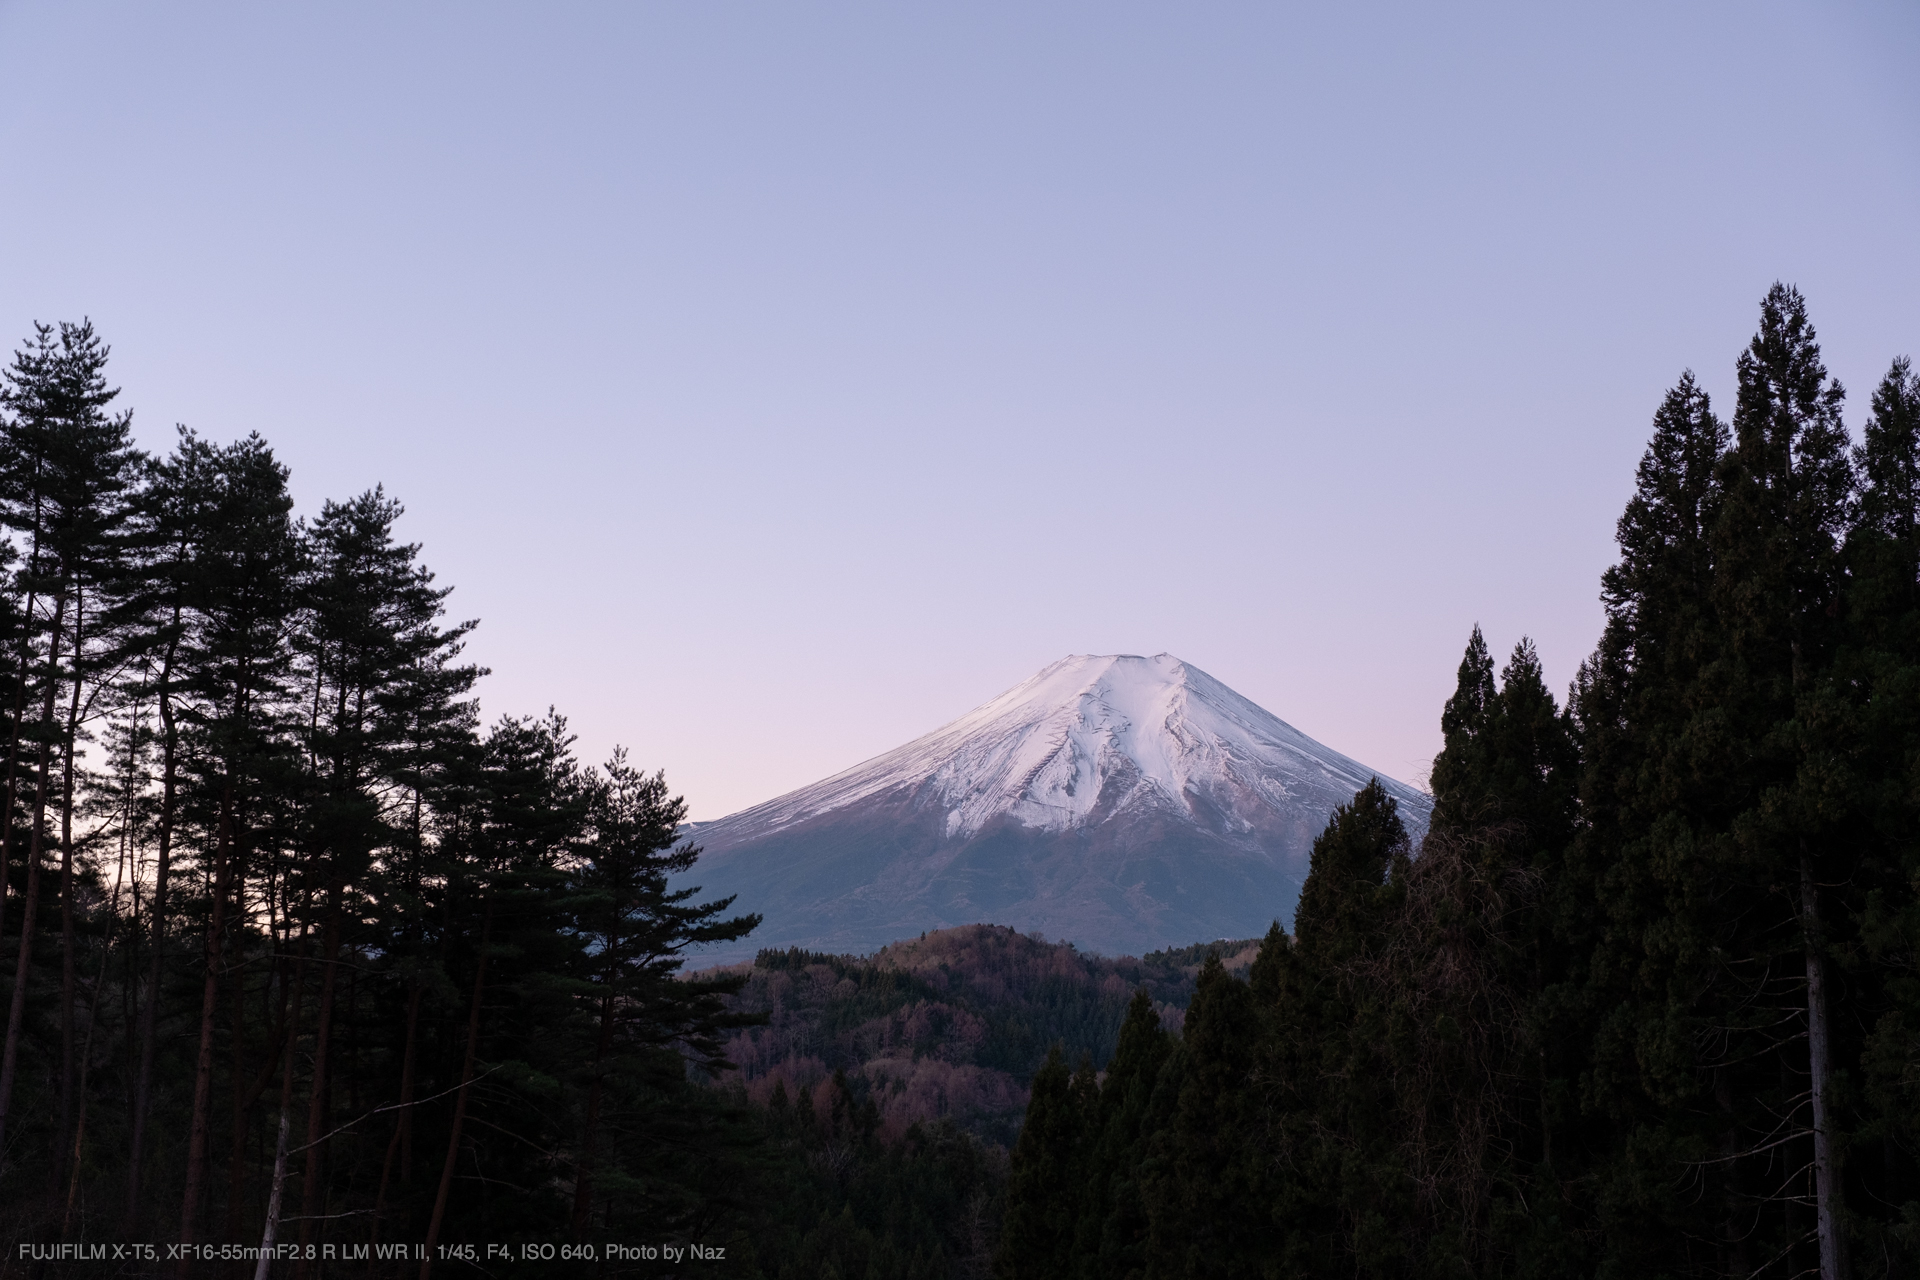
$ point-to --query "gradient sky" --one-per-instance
(779, 381)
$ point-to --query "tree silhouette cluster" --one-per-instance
(296, 953)
(1645, 999)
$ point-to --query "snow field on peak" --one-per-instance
(1044, 753)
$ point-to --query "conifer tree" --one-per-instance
(1714, 735)
(1458, 782)
(1210, 1211)
(246, 594)
(374, 657)
(170, 523)
(1651, 753)
(1881, 667)
(529, 815)
(1342, 908)
(1300, 1015)
(69, 466)
(638, 931)
(1788, 481)
(1325, 1010)
(1111, 1236)
(1043, 1186)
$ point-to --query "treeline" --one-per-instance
(296, 951)
(949, 1026)
(1645, 1001)
(845, 1199)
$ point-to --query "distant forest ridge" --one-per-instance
(951, 1025)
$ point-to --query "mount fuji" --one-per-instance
(1121, 803)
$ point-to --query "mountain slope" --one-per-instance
(1120, 802)
(947, 1026)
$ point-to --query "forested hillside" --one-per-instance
(1644, 1001)
(952, 1025)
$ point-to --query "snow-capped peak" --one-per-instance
(1088, 738)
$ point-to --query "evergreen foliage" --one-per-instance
(296, 953)
(300, 956)
(1642, 1001)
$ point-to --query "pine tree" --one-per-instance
(638, 931)
(245, 593)
(1652, 747)
(1043, 1185)
(1788, 484)
(1710, 722)
(1458, 778)
(1479, 958)
(374, 657)
(1111, 1237)
(170, 522)
(1341, 907)
(1301, 1017)
(69, 464)
(1346, 1196)
(1210, 1212)
(1881, 666)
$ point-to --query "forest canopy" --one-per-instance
(299, 951)
(1644, 1000)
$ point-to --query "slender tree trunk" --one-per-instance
(402, 1139)
(237, 1079)
(353, 1036)
(276, 1198)
(16, 1010)
(86, 1048)
(583, 1177)
(21, 659)
(1826, 1175)
(203, 1069)
(1733, 1242)
(244, 1097)
(405, 1130)
(149, 1016)
(310, 1189)
(408, 1080)
(273, 1200)
(68, 741)
(460, 1099)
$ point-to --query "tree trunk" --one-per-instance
(402, 1140)
(407, 1082)
(149, 1016)
(237, 1079)
(460, 1099)
(310, 1185)
(24, 656)
(17, 1009)
(275, 1199)
(1826, 1176)
(203, 1069)
(64, 1114)
(86, 1047)
(583, 1177)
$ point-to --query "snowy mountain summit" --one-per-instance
(1123, 803)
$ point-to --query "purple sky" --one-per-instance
(778, 382)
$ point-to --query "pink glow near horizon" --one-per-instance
(779, 383)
